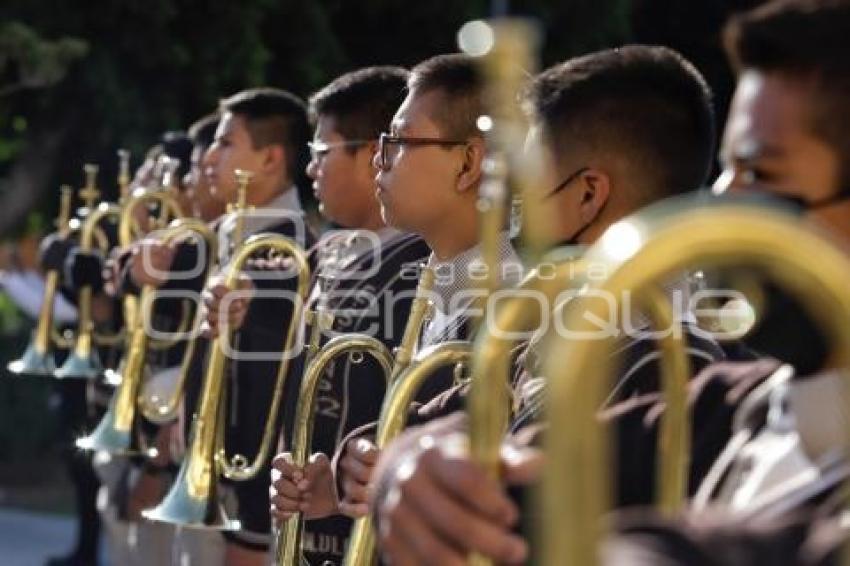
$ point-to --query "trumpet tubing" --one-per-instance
(288, 545)
(38, 357)
(361, 544)
(84, 362)
(114, 432)
(663, 244)
(192, 499)
(289, 541)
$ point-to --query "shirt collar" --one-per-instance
(285, 205)
(456, 277)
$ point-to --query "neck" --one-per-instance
(375, 222)
(453, 239)
(458, 230)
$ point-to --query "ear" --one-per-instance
(595, 190)
(274, 159)
(470, 172)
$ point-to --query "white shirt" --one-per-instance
(458, 282)
(285, 205)
(26, 289)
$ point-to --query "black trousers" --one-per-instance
(75, 416)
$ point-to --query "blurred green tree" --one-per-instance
(117, 73)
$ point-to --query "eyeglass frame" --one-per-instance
(385, 139)
(319, 149)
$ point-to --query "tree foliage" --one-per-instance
(116, 73)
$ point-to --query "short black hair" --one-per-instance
(458, 78)
(362, 102)
(202, 131)
(805, 39)
(274, 117)
(646, 104)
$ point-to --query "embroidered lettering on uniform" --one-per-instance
(322, 543)
(328, 407)
(327, 404)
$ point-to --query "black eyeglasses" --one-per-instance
(566, 182)
(386, 156)
(319, 149)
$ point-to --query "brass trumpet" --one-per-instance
(126, 236)
(129, 230)
(288, 547)
(645, 249)
(505, 48)
(83, 362)
(192, 501)
(38, 357)
(114, 432)
(361, 545)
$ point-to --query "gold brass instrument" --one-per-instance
(288, 547)
(87, 365)
(192, 501)
(520, 313)
(505, 49)
(83, 362)
(38, 357)
(141, 197)
(114, 432)
(161, 411)
(89, 194)
(394, 411)
(650, 247)
(129, 230)
(489, 402)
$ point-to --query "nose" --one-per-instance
(312, 169)
(210, 157)
(376, 160)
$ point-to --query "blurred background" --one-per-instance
(79, 79)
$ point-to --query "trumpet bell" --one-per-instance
(107, 438)
(33, 362)
(77, 367)
(180, 507)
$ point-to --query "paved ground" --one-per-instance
(27, 539)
